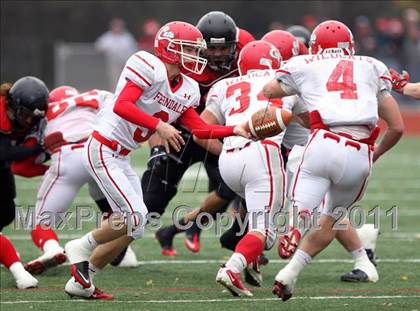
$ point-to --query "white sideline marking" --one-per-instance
(214, 300)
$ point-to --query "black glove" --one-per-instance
(158, 156)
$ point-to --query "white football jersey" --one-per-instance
(159, 99)
(234, 100)
(343, 88)
(74, 116)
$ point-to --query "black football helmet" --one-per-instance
(300, 33)
(220, 32)
(27, 103)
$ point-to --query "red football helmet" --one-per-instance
(284, 41)
(181, 43)
(62, 92)
(331, 35)
(258, 55)
(303, 50)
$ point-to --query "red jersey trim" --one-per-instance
(139, 75)
(385, 78)
(145, 61)
(283, 71)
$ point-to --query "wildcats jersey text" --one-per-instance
(342, 88)
(234, 100)
(159, 99)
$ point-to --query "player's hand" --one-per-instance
(242, 130)
(399, 80)
(171, 137)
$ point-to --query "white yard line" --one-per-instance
(215, 300)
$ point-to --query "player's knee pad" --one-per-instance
(8, 212)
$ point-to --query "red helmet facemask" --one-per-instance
(331, 36)
(258, 55)
(181, 43)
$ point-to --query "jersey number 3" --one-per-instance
(347, 87)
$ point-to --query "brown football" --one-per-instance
(268, 122)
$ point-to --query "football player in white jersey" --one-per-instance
(344, 93)
(294, 140)
(70, 118)
(253, 169)
(151, 93)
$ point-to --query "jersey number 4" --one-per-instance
(347, 87)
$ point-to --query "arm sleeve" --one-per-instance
(199, 128)
(125, 107)
(285, 76)
(15, 153)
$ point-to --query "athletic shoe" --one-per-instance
(25, 280)
(129, 260)
(46, 261)
(232, 281)
(80, 272)
(165, 238)
(75, 290)
(253, 274)
(371, 255)
(75, 251)
(363, 271)
(192, 242)
(284, 284)
(289, 243)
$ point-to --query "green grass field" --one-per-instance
(187, 282)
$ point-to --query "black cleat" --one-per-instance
(355, 275)
(281, 291)
(165, 237)
(80, 272)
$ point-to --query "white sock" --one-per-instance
(52, 246)
(299, 261)
(236, 263)
(18, 270)
(88, 241)
(358, 253)
(361, 258)
(93, 270)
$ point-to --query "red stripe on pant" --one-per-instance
(115, 184)
(97, 177)
(267, 154)
(52, 184)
